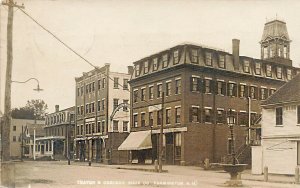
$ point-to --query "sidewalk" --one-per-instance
(192, 171)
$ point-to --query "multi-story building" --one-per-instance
(200, 85)
(19, 140)
(101, 126)
(59, 134)
(280, 148)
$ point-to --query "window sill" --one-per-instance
(279, 126)
(208, 93)
(208, 122)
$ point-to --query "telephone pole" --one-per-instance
(7, 175)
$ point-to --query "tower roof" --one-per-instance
(275, 29)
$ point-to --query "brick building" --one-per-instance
(99, 133)
(59, 134)
(200, 85)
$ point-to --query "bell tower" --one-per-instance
(275, 42)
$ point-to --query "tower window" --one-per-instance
(279, 72)
(269, 70)
(285, 54)
(289, 74)
(265, 53)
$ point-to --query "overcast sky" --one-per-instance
(120, 32)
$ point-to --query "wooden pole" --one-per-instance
(161, 133)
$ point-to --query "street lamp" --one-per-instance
(38, 89)
(231, 122)
(151, 127)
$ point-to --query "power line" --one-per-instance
(76, 53)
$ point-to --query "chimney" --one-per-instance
(236, 53)
(130, 70)
(56, 108)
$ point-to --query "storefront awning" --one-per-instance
(137, 141)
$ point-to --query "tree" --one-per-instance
(35, 108)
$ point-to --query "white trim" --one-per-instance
(243, 84)
(252, 85)
(143, 112)
(219, 80)
(244, 111)
(152, 85)
(207, 78)
(195, 76)
(135, 89)
(231, 82)
(168, 81)
(135, 113)
(207, 107)
(195, 106)
(273, 88)
(159, 83)
(264, 87)
(143, 87)
(168, 108)
(179, 78)
(252, 112)
(178, 106)
(220, 109)
(169, 130)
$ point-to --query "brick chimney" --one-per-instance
(56, 108)
(236, 53)
(130, 70)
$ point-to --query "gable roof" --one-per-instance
(289, 92)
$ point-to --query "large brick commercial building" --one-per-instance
(98, 134)
(201, 85)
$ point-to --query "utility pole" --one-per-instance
(161, 133)
(5, 140)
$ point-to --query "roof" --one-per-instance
(289, 92)
(275, 29)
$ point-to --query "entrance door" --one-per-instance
(43, 149)
(169, 148)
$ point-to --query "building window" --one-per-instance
(93, 86)
(14, 138)
(98, 126)
(165, 60)
(221, 61)
(285, 54)
(99, 84)
(137, 70)
(135, 120)
(257, 68)
(151, 118)
(159, 90)
(253, 92)
(194, 56)
(14, 128)
(298, 153)
(268, 70)
(103, 104)
(115, 125)
(90, 108)
(143, 94)
(103, 127)
(143, 119)
(246, 66)
(242, 91)
(78, 92)
(177, 114)
(93, 107)
(155, 64)
(208, 58)
(230, 146)
(116, 103)
(146, 67)
(116, 82)
(87, 89)
(289, 74)
(87, 108)
(176, 57)
(168, 116)
(125, 126)
(194, 115)
(279, 72)
(177, 86)
(220, 116)
(82, 90)
(265, 52)
(125, 107)
(98, 106)
(103, 83)
(272, 91)
(135, 95)
(221, 87)
(78, 110)
(279, 116)
(208, 86)
(125, 84)
(195, 84)
(177, 145)
(90, 87)
(263, 93)
(232, 89)
(298, 114)
(243, 118)
(207, 115)
(81, 110)
(159, 116)
(168, 88)
(151, 92)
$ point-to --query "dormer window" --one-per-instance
(246, 66)
(165, 60)
(137, 70)
(146, 67)
(257, 68)
(279, 72)
(155, 64)
(289, 74)
(221, 61)
(208, 58)
(176, 57)
(269, 70)
(194, 56)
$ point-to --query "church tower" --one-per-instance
(275, 43)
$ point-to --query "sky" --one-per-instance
(120, 32)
